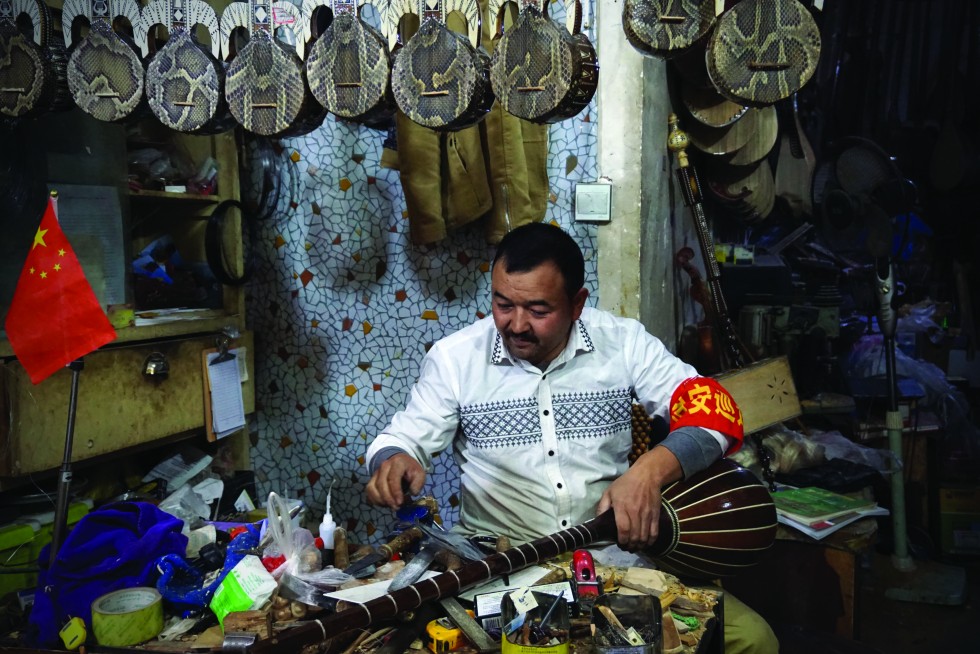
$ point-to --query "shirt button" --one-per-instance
(546, 412)
(559, 485)
(564, 523)
(544, 376)
(551, 452)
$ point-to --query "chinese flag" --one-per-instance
(54, 317)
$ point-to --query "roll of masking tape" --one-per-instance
(127, 617)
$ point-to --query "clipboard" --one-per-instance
(231, 405)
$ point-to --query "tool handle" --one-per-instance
(400, 542)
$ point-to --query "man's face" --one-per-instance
(532, 311)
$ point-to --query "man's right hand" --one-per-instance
(393, 476)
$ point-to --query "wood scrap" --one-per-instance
(647, 580)
(341, 555)
(257, 622)
(671, 639)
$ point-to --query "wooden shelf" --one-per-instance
(180, 197)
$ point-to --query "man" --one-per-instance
(536, 404)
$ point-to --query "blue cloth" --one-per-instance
(111, 548)
(186, 589)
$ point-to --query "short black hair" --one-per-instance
(526, 247)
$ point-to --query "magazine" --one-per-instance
(826, 528)
(811, 506)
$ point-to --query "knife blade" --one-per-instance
(454, 542)
(414, 568)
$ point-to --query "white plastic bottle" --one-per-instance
(327, 525)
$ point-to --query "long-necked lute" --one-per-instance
(105, 73)
(735, 352)
(717, 522)
(32, 70)
(185, 82)
(348, 67)
(441, 79)
(542, 71)
(265, 86)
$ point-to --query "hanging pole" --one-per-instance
(64, 476)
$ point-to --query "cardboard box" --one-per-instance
(15, 552)
(959, 520)
(21, 543)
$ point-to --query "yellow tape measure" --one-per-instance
(441, 635)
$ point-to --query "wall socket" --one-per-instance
(593, 202)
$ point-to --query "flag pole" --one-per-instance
(64, 476)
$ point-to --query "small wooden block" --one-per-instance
(765, 393)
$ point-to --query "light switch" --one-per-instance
(593, 202)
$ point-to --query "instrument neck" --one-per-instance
(101, 12)
(344, 7)
(389, 606)
(178, 15)
(262, 18)
(431, 9)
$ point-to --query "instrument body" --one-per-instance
(664, 28)
(349, 65)
(265, 86)
(762, 51)
(796, 163)
(105, 72)
(441, 79)
(715, 523)
(33, 77)
(541, 71)
(184, 81)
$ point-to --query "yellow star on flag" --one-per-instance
(39, 238)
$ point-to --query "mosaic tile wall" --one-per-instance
(344, 307)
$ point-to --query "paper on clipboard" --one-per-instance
(227, 404)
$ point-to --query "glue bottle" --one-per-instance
(327, 525)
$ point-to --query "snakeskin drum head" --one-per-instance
(665, 28)
(763, 51)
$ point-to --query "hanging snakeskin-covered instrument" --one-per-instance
(265, 85)
(33, 78)
(718, 522)
(441, 79)
(541, 71)
(184, 81)
(105, 73)
(762, 51)
(664, 28)
(349, 66)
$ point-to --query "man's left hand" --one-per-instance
(635, 497)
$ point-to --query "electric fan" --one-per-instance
(857, 190)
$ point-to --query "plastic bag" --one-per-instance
(186, 588)
(295, 546)
(837, 446)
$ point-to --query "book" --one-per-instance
(811, 505)
(828, 527)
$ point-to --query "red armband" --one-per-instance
(703, 402)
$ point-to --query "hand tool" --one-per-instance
(414, 569)
(384, 553)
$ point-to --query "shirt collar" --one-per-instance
(579, 342)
